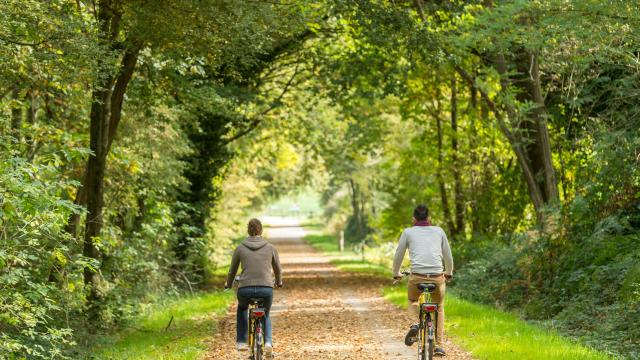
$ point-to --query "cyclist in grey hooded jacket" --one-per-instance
(258, 258)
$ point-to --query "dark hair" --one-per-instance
(421, 212)
(254, 228)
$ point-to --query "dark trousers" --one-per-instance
(242, 316)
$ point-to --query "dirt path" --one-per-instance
(324, 313)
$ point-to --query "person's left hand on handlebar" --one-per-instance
(400, 276)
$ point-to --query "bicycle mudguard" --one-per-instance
(429, 307)
(258, 312)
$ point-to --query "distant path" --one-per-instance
(324, 313)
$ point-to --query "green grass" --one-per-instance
(307, 201)
(489, 333)
(347, 260)
(195, 320)
(486, 332)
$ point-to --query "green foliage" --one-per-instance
(588, 292)
(32, 218)
(377, 106)
(198, 85)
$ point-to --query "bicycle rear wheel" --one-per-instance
(422, 353)
(258, 352)
(259, 341)
(429, 346)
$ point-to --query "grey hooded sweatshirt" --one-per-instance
(257, 257)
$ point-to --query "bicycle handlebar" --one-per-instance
(404, 275)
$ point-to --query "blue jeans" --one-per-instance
(242, 316)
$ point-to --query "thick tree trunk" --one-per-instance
(457, 178)
(106, 109)
(127, 68)
(94, 181)
(106, 113)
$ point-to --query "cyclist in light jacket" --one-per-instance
(431, 262)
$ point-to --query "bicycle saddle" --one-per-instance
(428, 287)
(256, 301)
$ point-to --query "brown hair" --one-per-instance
(254, 228)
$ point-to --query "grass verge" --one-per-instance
(486, 332)
(489, 333)
(194, 320)
(347, 260)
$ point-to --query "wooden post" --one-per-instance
(341, 243)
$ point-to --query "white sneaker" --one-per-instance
(242, 346)
(268, 349)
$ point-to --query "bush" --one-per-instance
(33, 242)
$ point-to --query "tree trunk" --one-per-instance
(355, 205)
(457, 178)
(106, 112)
(31, 120)
(520, 145)
(534, 129)
(16, 114)
(516, 144)
(474, 184)
(446, 211)
(543, 139)
(127, 68)
(106, 107)
(94, 181)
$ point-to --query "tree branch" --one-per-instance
(127, 68)
(255, 122)
(24, 43)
